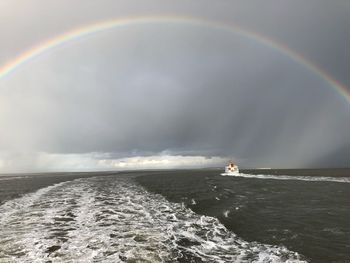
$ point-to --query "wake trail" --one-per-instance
(297, 178)
(114, 219)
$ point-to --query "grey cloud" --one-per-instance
(184, 90)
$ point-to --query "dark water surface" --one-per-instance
(13, 186)
(305, 211)
(176, 216)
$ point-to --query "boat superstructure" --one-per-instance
(231, 169)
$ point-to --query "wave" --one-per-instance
(6, 178)
(298, 178)
(113, 219)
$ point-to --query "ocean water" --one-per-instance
(175, 216)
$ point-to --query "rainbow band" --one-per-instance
(59, 40)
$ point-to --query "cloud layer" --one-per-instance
(172, 93)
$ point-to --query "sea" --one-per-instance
(176, 216)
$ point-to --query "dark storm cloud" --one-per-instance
(316, 29)
(184, 90)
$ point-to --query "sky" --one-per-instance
(175, 93)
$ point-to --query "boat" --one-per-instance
(231, 169)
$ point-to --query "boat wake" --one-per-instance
(113, 219)
(299, 178)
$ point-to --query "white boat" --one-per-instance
(231, 169)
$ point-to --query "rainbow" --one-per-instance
(94, 28)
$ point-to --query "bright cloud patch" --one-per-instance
(163, 161)
(41, 162)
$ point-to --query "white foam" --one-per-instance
(298, 178)
(14, 207)
(11, 177)
(226, 212)
(113, 220)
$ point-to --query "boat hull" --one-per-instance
(230, 174)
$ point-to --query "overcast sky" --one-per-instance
(166, 95)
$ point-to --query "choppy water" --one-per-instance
(185, 216)
(307, 214)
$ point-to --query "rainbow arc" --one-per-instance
(50, 44)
